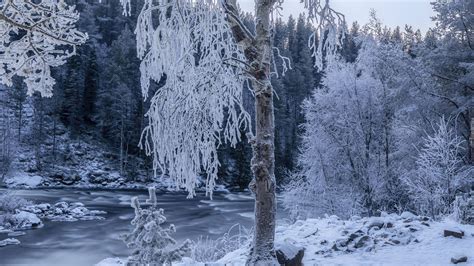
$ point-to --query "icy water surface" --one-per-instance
(88, 242)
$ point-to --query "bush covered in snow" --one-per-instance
(439, 172)
(10, 218)
(205, 249)
(151, 243)
(9, 202)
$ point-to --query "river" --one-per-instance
(88, 242)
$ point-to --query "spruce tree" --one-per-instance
(152, 244)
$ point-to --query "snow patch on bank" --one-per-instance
(20, 179)
(112, 262)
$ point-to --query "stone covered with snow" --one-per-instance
(9, 241)
(26, 220)
(63, 211)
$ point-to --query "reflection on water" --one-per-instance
(88, 242)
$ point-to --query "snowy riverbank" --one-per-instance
(26, 181)
(388, 240)
(18, 215)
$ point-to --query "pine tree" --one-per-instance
(151, 243)
(350, 46)
(90, 87)
(397, 35)
(17, 95)
(71, 108)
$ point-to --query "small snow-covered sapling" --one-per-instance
(151, 243)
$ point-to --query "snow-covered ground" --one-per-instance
(388, 240)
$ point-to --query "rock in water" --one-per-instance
(457, 260)
(455, 233)
(27, 219)
(9, 241)
(289, 254)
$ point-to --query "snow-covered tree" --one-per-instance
(152, 244)
(456, 19)
(204, 56)
(35, 36)
(449, 62)
(207, 56)
(348, 141)
(439, 172)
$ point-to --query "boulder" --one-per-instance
(395, 241)
(96, 177)
(425, 224)
(362, 242)
(65, 178)
(341, 243)
(453, 232)
(378, 223)
(424, 218)
(25, 219)
(457, 260)
(80, 211)
(355, 235)
(62, 205)
(44, 206)
(289, 254)
(58, 211)
(407, 215)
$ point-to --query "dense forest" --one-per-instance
(106, 106)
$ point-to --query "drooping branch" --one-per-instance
(330, 28)
(200, 106)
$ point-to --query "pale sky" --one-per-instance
(417, 13)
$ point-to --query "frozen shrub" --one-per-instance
(9, 202)
(311, 197)
(439, 172)
(205, 249)
(151, 243)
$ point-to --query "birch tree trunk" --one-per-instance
(263, 161)
(258, 51)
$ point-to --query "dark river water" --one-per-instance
(88, 242)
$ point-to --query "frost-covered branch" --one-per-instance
(440, 171)
(330, 27)
(35, 36)
(200, 106)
